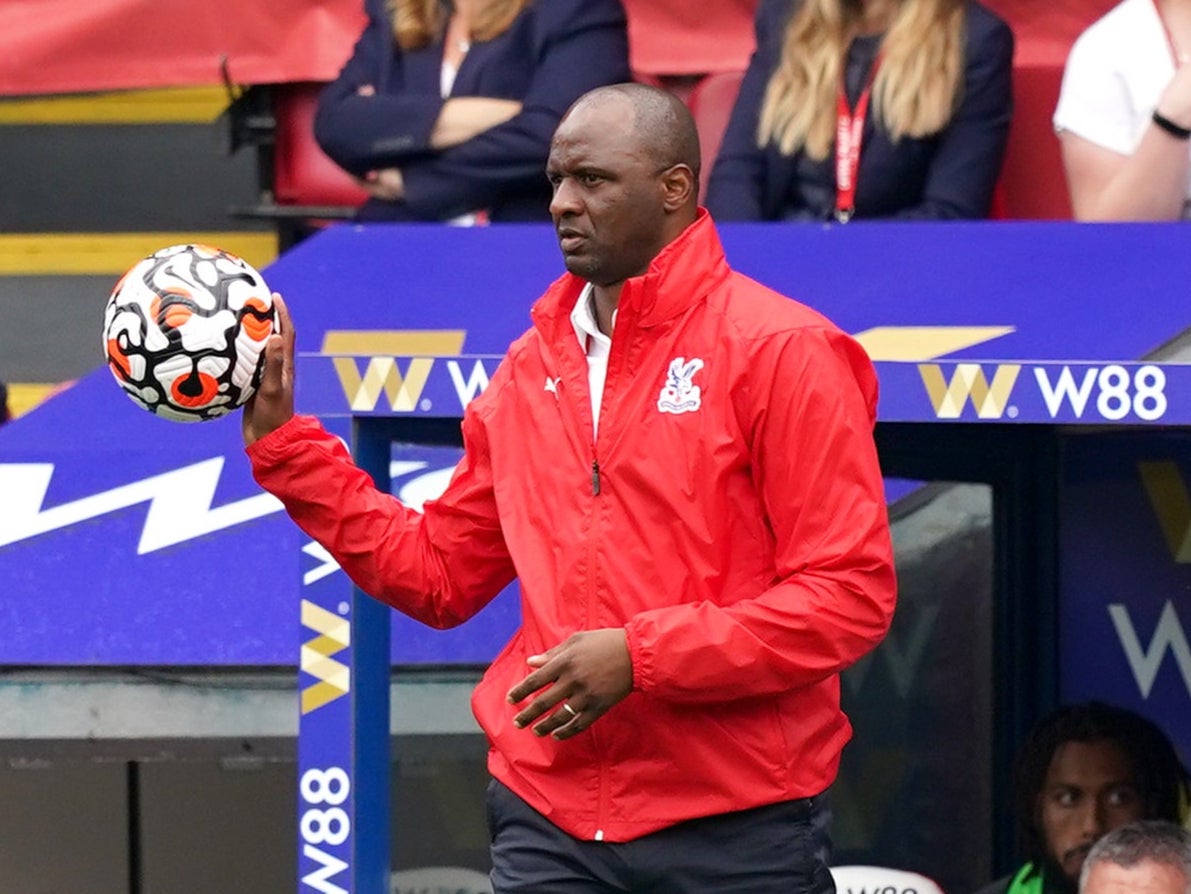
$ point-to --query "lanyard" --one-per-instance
(849, 134)
(1174, 53)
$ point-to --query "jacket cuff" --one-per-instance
(643, 669)
(274, 447)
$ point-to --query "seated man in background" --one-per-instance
(1151, 857)
(446, 113)
(868, 109)
(1085, 770)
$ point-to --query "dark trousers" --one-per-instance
(779, 849)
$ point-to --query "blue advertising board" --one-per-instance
(1074, 392)
(126, 540)
(1125, 575)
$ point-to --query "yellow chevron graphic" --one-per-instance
(381, 374)
(967, 381)
(327, 623)
(334, 635)
(918, 343)
(399, 342)
(1167, 491)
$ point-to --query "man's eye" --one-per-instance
(1066, 798)
(1122, 797)
(590, 179)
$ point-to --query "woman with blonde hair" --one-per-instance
(868, 109)
(445, 111)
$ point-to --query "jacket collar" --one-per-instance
(681, 275)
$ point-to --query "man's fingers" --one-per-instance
(567, 720)
(543, 704)
(286, 327)
(541, 659)
(539, 677)
(273, 403)
(561, 724)
(279, 353)
(528, 686)
(285, 324)
(571, 727)
(273, 376)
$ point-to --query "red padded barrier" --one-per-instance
(303, 174)
(678, 37)
(1033, 185)
(711, 103)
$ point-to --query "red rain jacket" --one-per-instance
(739, 535)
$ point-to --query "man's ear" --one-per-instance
(679, 187)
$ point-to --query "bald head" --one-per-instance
(659, 122)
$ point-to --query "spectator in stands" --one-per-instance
(868, 109)
(1151, 857)
(1124, 114)
(446, 113)
(1085, 770)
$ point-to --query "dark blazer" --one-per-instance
(951, 174)
(554, 51)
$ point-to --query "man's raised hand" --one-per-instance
(273, 404)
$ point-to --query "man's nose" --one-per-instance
(1093, 821)
(565, 199)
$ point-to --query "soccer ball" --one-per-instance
(184, 332)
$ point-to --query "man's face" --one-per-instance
(608, 205)
(1089, 790)
(1147, 877)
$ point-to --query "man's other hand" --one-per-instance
(577, 682)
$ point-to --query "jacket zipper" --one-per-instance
(592, 614)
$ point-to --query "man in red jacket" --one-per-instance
(677, 465)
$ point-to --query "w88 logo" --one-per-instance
(324, 824)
